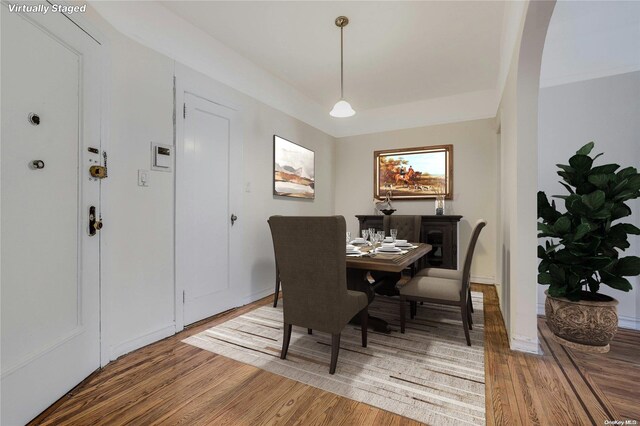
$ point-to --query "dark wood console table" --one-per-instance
(441, 232)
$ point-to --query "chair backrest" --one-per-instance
(311, 259)
(466, 269)
(408, 226)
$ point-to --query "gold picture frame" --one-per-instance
(413, 173)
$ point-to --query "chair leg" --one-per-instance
(277, 292)
(470, 301)
(335, 347)
(285, 340)
(470, 319)
(403, 307)
(413, 308)
(364, 319)
(465, 324)
(309, 331)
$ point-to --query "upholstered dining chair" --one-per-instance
(311, 262)
(408, 227)
(453, 289)
(451, 273)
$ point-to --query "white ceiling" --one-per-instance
(588, 40)
(407, 63)
(395, 52)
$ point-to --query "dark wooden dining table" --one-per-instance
(357, 268)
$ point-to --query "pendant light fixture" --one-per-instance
(342, 108)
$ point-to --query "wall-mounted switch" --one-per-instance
(143, 177)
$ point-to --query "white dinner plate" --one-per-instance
(389, 250)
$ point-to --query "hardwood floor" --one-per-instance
(170, 382)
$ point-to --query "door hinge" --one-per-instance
(184, 110)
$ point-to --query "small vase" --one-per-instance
(439, 205)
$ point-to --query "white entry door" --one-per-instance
(204, 227)
(50, 265)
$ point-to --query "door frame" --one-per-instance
(194, 83)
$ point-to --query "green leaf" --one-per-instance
(571, 191)
(575, 206)
(625, 195)
(586, 149)
(620, 186)
(629, 228)
(581, 163)
(600, 181)
(564, 256)
(620, 210)
(582, 230)
(605, 169)
(626, 172)
(594, 285)
(594, 200)
(613, 281)
(634, 183)
(562, 225)
(566, 168)
(557, 291)
(628, 266)
(544, 278)
(557, 274)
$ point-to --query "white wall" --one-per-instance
(261, 122)
(138, 237)
(607, 111)
(474, 180)
(518, 116)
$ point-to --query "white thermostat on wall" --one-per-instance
(161, 157)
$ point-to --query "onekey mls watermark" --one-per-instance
(621, 422)
(68, 9)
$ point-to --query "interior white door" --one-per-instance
(50, 266)
(203, 210)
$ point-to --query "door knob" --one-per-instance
(233, 219)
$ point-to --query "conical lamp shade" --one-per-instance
(342, 109)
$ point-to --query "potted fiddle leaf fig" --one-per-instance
(583, 250)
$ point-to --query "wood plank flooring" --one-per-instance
(170, 382)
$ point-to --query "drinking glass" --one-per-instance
(380, 236)
(394, 234)
(365, 234)
(348, 237)
(372, 231)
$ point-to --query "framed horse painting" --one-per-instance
(413, 173)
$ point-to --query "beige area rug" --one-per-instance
(428, 374)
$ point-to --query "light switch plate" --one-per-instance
(143, 177)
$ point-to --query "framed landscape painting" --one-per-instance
(293, 169)
(413, 173)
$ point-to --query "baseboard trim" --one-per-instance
(140, 341)
(483, 280)
(256, 296)
(628, 322)
(525, 344)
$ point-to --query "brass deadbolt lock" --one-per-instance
(99, 172)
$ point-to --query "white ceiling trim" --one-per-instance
(449, 109)
(160, 29)
(590, 75)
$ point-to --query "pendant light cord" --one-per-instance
(341, 64)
